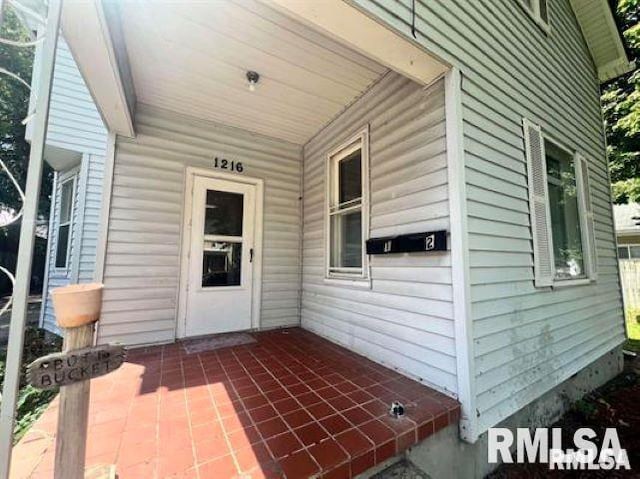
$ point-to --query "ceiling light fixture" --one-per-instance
(253, 78)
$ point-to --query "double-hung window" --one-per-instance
(561, 211)
(566, 230)
(65, 223)
(347, 209)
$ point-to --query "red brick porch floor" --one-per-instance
(291, 405)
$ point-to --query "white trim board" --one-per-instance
(359, 31)
(105, 208)
(190, 174)
(81, 186)
(463, 327)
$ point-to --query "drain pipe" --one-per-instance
(27, 239)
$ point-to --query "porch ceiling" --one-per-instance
(192, 58)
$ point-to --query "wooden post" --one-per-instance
(73, 413)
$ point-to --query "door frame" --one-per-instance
(185, 242)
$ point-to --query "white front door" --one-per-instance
(220, 277)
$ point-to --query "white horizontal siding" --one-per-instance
(74, 125)
(91, 223)
(74, 121)
(405, 319)
(142, 264)
(526, 340)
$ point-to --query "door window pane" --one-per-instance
(350, 177)
(221, 264)
(346, 240)
(565, 217)
(223, 213)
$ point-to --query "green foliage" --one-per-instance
(621, 109)
(627, 191)
(31, 402)
(14, 103)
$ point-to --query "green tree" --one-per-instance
(621, 108)
(14, 103)
(14, 150)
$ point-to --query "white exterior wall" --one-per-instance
(142, 263)
(74, 121)
(405, 319)
(75, 129)
(526, 340)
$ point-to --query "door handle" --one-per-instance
(251, 255)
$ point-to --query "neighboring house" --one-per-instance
(75, 149)
(627, 221)
(232, 206)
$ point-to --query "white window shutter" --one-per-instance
(539, 205)
(586, 212)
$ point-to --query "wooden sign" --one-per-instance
(62, 369)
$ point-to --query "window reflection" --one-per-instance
(223, 213)
(221, 264)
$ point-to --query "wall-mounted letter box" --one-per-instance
(409, 243)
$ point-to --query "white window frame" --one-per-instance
(584, 233)
(359, 276)
(534, 13)
(65, 269)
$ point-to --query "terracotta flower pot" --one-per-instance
(77, 304)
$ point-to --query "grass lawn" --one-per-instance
(633, 330)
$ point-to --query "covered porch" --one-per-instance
(216, 218)
(289, 405)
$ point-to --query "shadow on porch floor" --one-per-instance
(290, 405)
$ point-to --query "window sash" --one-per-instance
(335, 209)
(353, 205)
(568, 162)
(65, 227)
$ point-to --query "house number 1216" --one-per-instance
(225, 164)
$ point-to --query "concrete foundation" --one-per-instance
(445, 456)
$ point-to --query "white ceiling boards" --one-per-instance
(193, 57)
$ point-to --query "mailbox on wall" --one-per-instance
(409, 243)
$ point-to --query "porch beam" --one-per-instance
(27, 239)
(354, 28)
(102, 60)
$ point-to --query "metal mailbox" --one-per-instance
(408, 243)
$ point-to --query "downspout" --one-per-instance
(27, 239)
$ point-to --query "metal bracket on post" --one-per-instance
(27, 238)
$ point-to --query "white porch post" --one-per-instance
(27, 237)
